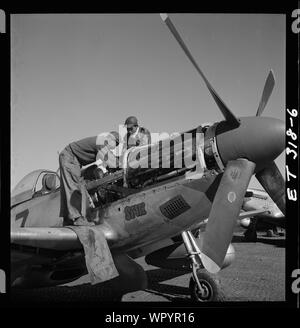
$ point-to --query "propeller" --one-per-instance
(272, 181)
(270, 177)
(268, 88)
(260, 140)
(224, 211)
(229, 116)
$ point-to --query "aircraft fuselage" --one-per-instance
(142, 218)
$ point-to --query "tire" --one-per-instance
(250, 236)
(211, 285)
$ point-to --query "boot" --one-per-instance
(81, 221)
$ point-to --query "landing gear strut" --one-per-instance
(203, 286)
(251, 234)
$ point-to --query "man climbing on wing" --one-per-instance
(74, 205)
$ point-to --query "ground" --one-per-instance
(257, 274)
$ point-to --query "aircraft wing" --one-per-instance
(93, 241)
(56, 238)
(249, 214)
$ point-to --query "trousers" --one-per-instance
(74, 197)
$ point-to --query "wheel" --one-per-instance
(270, 233)
(250, 235)
(211, 288)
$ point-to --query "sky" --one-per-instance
(77, 75)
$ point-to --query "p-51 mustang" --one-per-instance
(255, 201)
(139, 210)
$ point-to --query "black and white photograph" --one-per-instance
(150, 160)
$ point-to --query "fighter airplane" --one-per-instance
(139, 210)
(269, 218)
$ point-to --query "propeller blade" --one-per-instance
(224, 213)
(272, 181)
(229, 116)
(268, 88)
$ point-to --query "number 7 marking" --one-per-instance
(24, 215)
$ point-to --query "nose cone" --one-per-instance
(259, 139)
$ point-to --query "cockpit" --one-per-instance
(35, 184)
